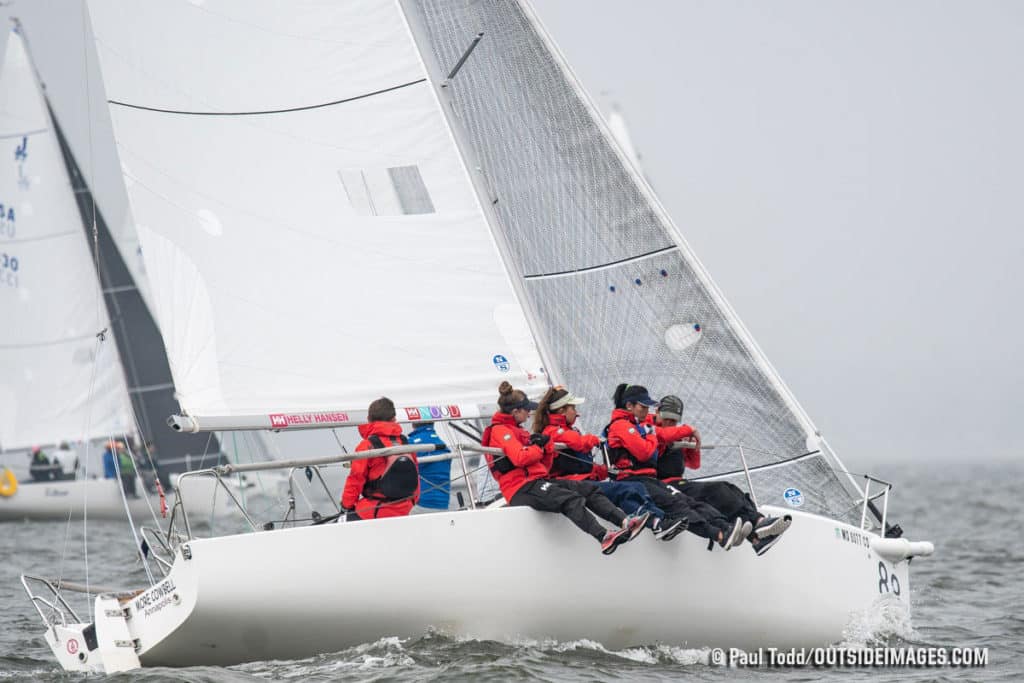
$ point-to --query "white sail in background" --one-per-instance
(620, 131)
(56, 381)
(310, 232)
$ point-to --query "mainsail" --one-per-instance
(310, 232)
(57, 380)
(618, 294)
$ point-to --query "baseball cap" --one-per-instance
(671, 408)
(637, 394)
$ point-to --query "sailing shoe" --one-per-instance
(613, 539)
(748, 530)
(773, 526)
(635, 524)
(670, 528)
(762, 545)
(745, 530)
(733, 537)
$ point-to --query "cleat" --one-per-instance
(634, 524)
(670, 528)
(613, 539)
(733, 537)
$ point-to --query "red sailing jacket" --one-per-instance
(632, 447)
(577, 464)
(371, 469)
(671, 463)
(523, 462)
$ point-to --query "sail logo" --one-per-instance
(794, 497)
(21, 151)
(283, 420)
(501, 363)
(432, 412)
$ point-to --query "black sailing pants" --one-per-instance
(572, 499)
(727, 498)
(704, 520)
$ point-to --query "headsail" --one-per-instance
(57, 381)
(619, 294)
(309, 229)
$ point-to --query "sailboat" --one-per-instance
(416, 198)
(71, 371)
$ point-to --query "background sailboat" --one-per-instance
(72, 373)
(330, 164)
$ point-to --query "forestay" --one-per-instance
(56, 380)
(310, 232)
(618, 294)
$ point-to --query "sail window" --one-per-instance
(394, 191)
(679, 337)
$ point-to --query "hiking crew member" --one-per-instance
(555, 418)
(761, 530)
(382, 486)
(633, 449)
(522, 473)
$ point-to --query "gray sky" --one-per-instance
(845, 170)
(850, 174)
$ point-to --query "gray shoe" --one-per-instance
(735, 537)
(773, 526)
(762, 545)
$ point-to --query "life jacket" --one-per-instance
(670, 464)
(567, 462)
(496, 463)
(620, 456)
(400, 477)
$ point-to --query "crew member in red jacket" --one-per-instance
(633, 449)
(762, 531)
(522, 473)
(574, 460)
(384, 486)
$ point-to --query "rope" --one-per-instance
(267, 111)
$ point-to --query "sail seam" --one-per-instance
(25, 134)
(150, 387)
(601, 266)
(267, 111)
(53, 342)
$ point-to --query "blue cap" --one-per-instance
(637, 394)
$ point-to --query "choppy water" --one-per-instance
(969, 595)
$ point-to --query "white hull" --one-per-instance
(496, 574)
(55, 500)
